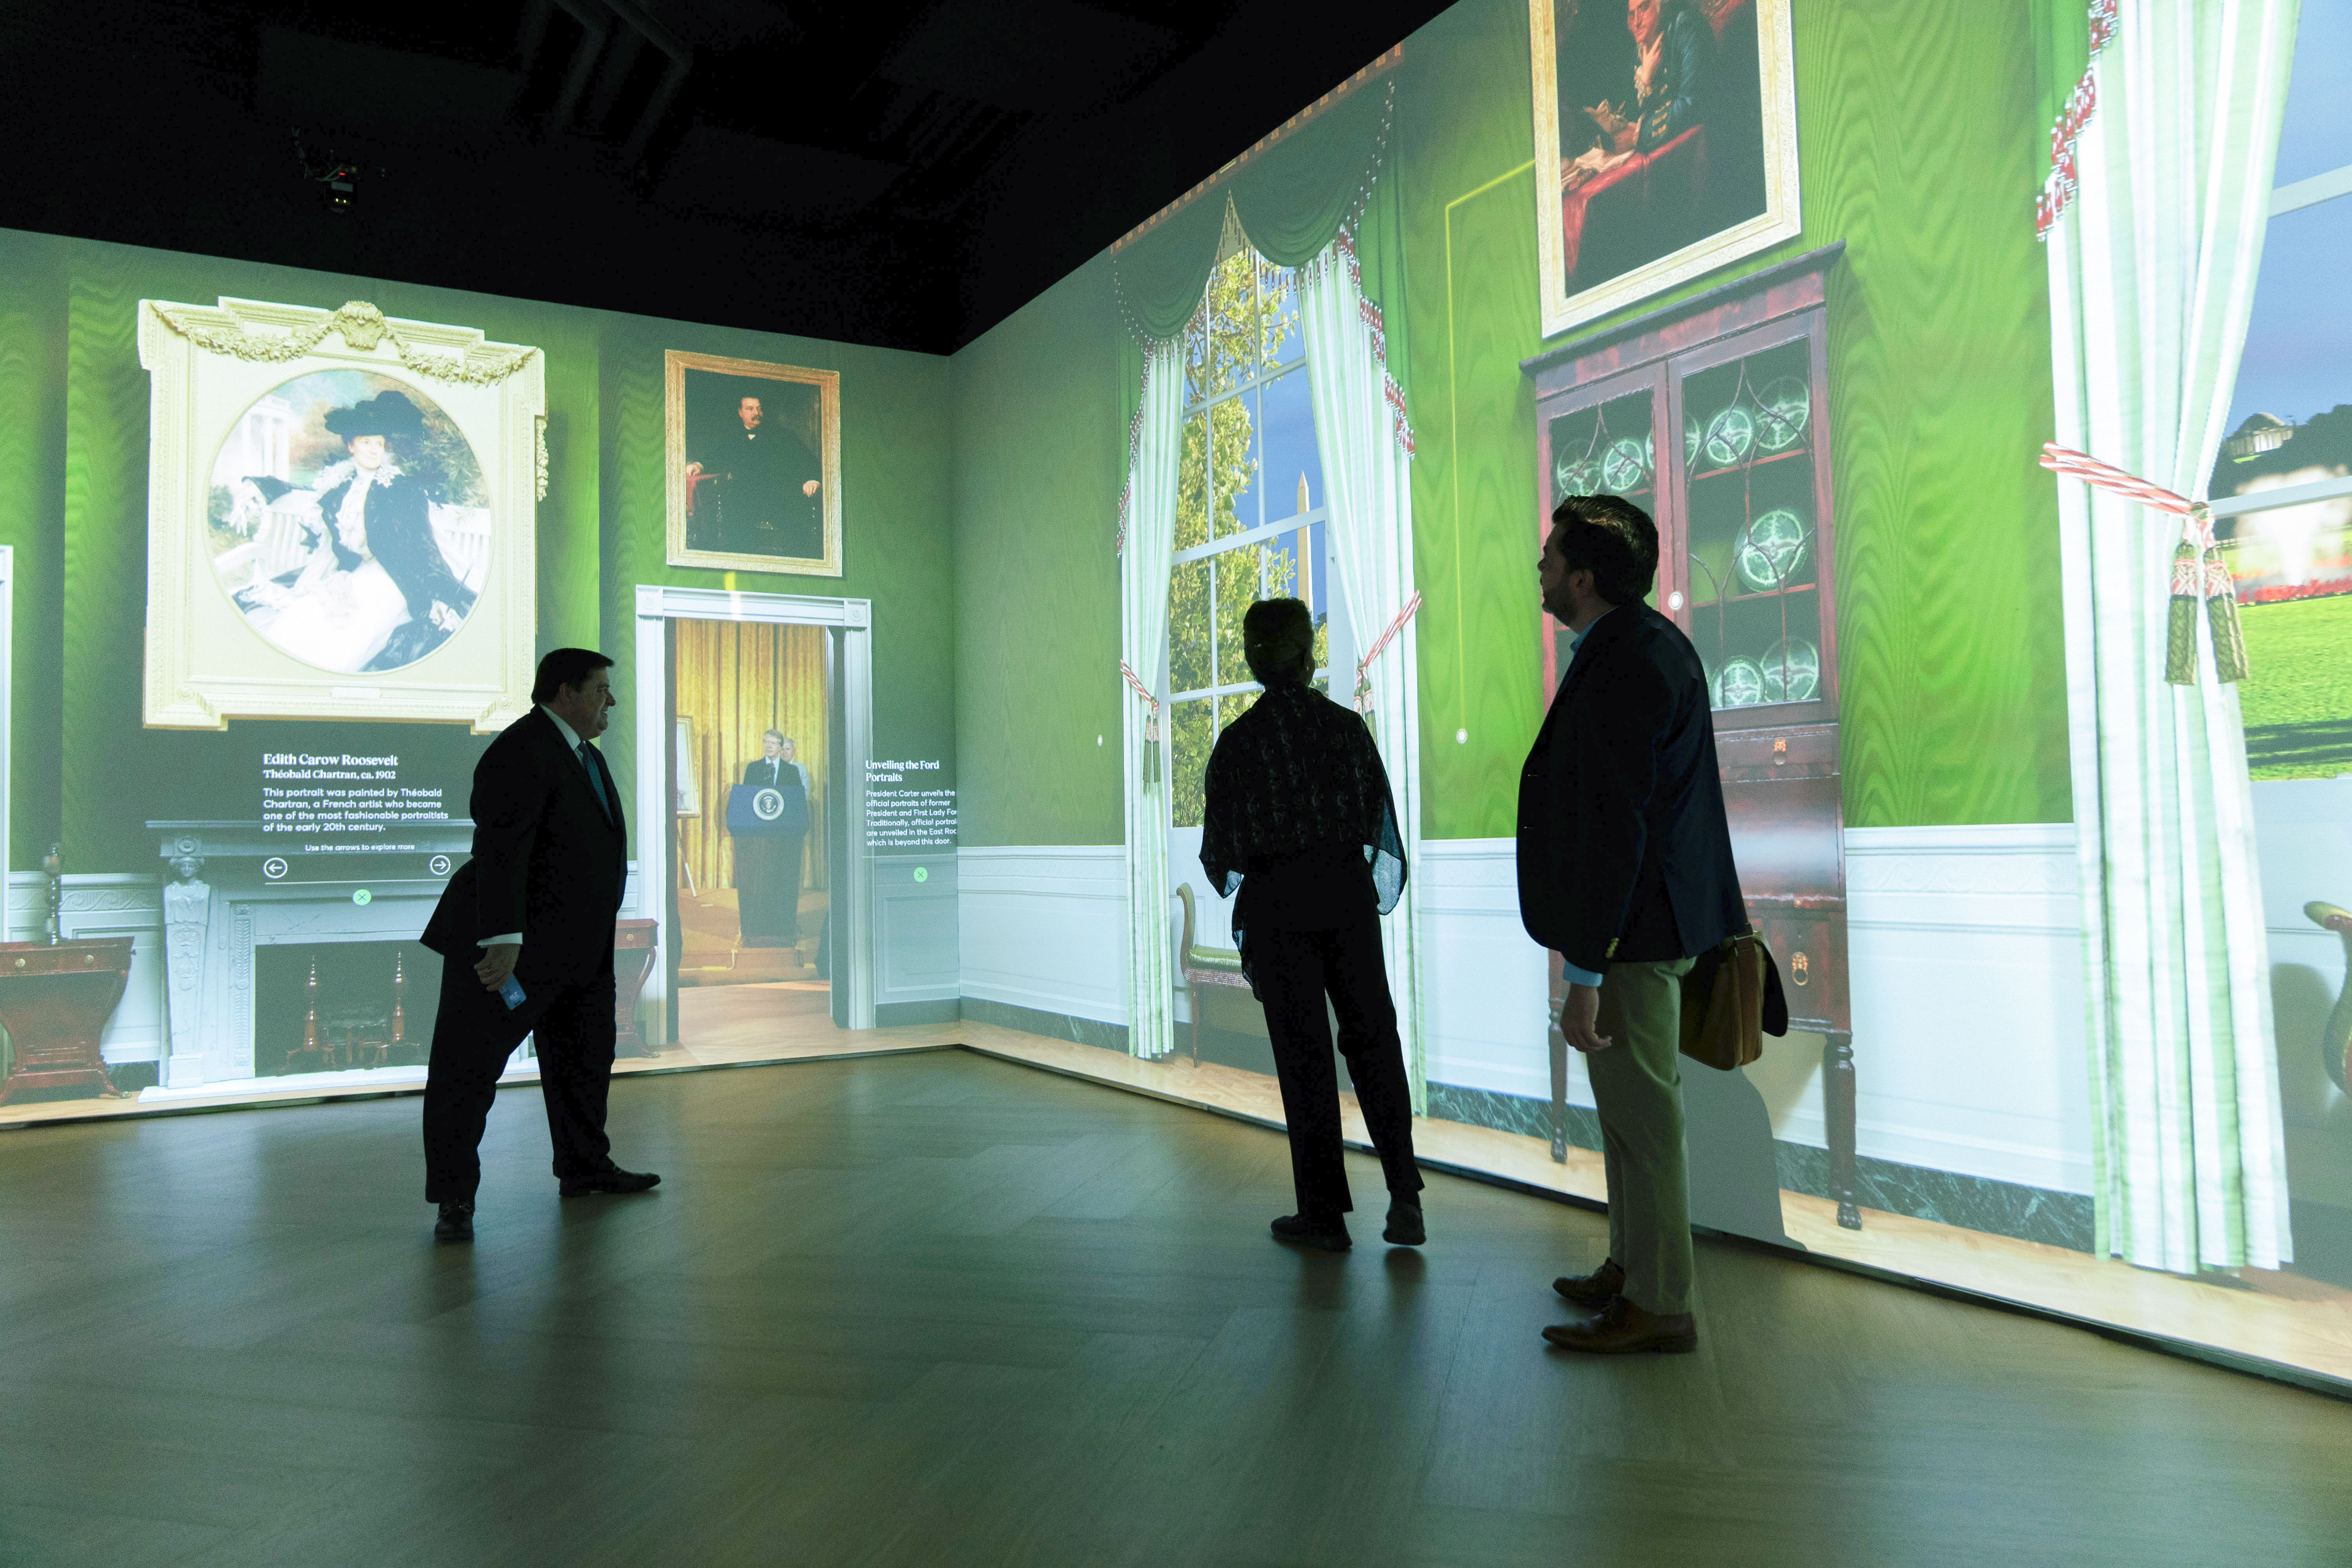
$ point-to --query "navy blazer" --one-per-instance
(1624, 850)
(549, 861)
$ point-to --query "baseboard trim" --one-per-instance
(1053, 1026)
(1917, 1192)
(896, 1015)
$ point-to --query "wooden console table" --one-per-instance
(54, 1003)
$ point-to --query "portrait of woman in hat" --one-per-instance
(353, 572)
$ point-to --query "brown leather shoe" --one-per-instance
(1622, 1328)
(1595, 1290)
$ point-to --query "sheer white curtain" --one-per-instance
(1365, 442)
(1147, 539)
(2151, 277)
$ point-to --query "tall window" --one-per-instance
(1249, 507)
(2282, 487)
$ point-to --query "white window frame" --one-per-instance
(2302, 194)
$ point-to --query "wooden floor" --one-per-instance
(2282, 1318)
(937, 1308)
(2289, 1319)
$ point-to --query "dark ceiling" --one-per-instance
(884, 173)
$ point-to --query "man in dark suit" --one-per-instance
(1625, 871)
(768, 866)
(769, 480)
(525, 934)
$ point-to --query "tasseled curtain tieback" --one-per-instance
(2198, 570)
(1150, 724)
(1379, 645)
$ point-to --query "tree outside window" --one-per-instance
(1249, 507)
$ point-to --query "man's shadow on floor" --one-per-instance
(1735, 1179)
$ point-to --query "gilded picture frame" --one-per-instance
(1619, 223)
(295, 570)
(734, 503)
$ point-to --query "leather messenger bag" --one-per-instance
(1731, 999)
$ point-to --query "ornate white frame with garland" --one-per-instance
(206, 364)
(674, 365)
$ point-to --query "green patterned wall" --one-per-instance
(32, 498)
(1920, 150)
(895, 548)
(1039, 461)
(73, 482)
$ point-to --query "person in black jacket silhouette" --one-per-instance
(1299, 829)
(525, 934)
(1625, 871)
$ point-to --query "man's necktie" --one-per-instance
(596, 779)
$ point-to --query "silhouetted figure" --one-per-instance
(525, 935)
(1300, 830)
(1625, 871)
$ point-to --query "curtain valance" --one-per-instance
(1290, 196)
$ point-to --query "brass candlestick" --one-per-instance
(53, 867)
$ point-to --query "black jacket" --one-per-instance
(756, 772)
(760, 508)
(400, 535)
(1624, 851)
(548, 861)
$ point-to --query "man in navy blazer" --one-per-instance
(1625, 871)
(525, 934)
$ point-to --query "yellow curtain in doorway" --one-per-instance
(735, 680)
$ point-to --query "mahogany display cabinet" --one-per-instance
(1712, 414)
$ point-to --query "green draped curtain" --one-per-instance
(2153, 215)
(1291, 198)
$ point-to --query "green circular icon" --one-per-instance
(922, 873)
(361, 897)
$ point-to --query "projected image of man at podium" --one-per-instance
(768, 850)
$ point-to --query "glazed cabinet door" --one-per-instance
(1603, 438)
(1750, 484)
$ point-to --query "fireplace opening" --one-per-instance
(333, 1007)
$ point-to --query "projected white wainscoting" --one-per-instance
(228, 896)
(228, 893)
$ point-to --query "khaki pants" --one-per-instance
(1638, 1086)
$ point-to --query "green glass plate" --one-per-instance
(1738, 684)
(1791, 670)
(1783, 408)
(1771, 549)
(1730, 435)
(1622, 468)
